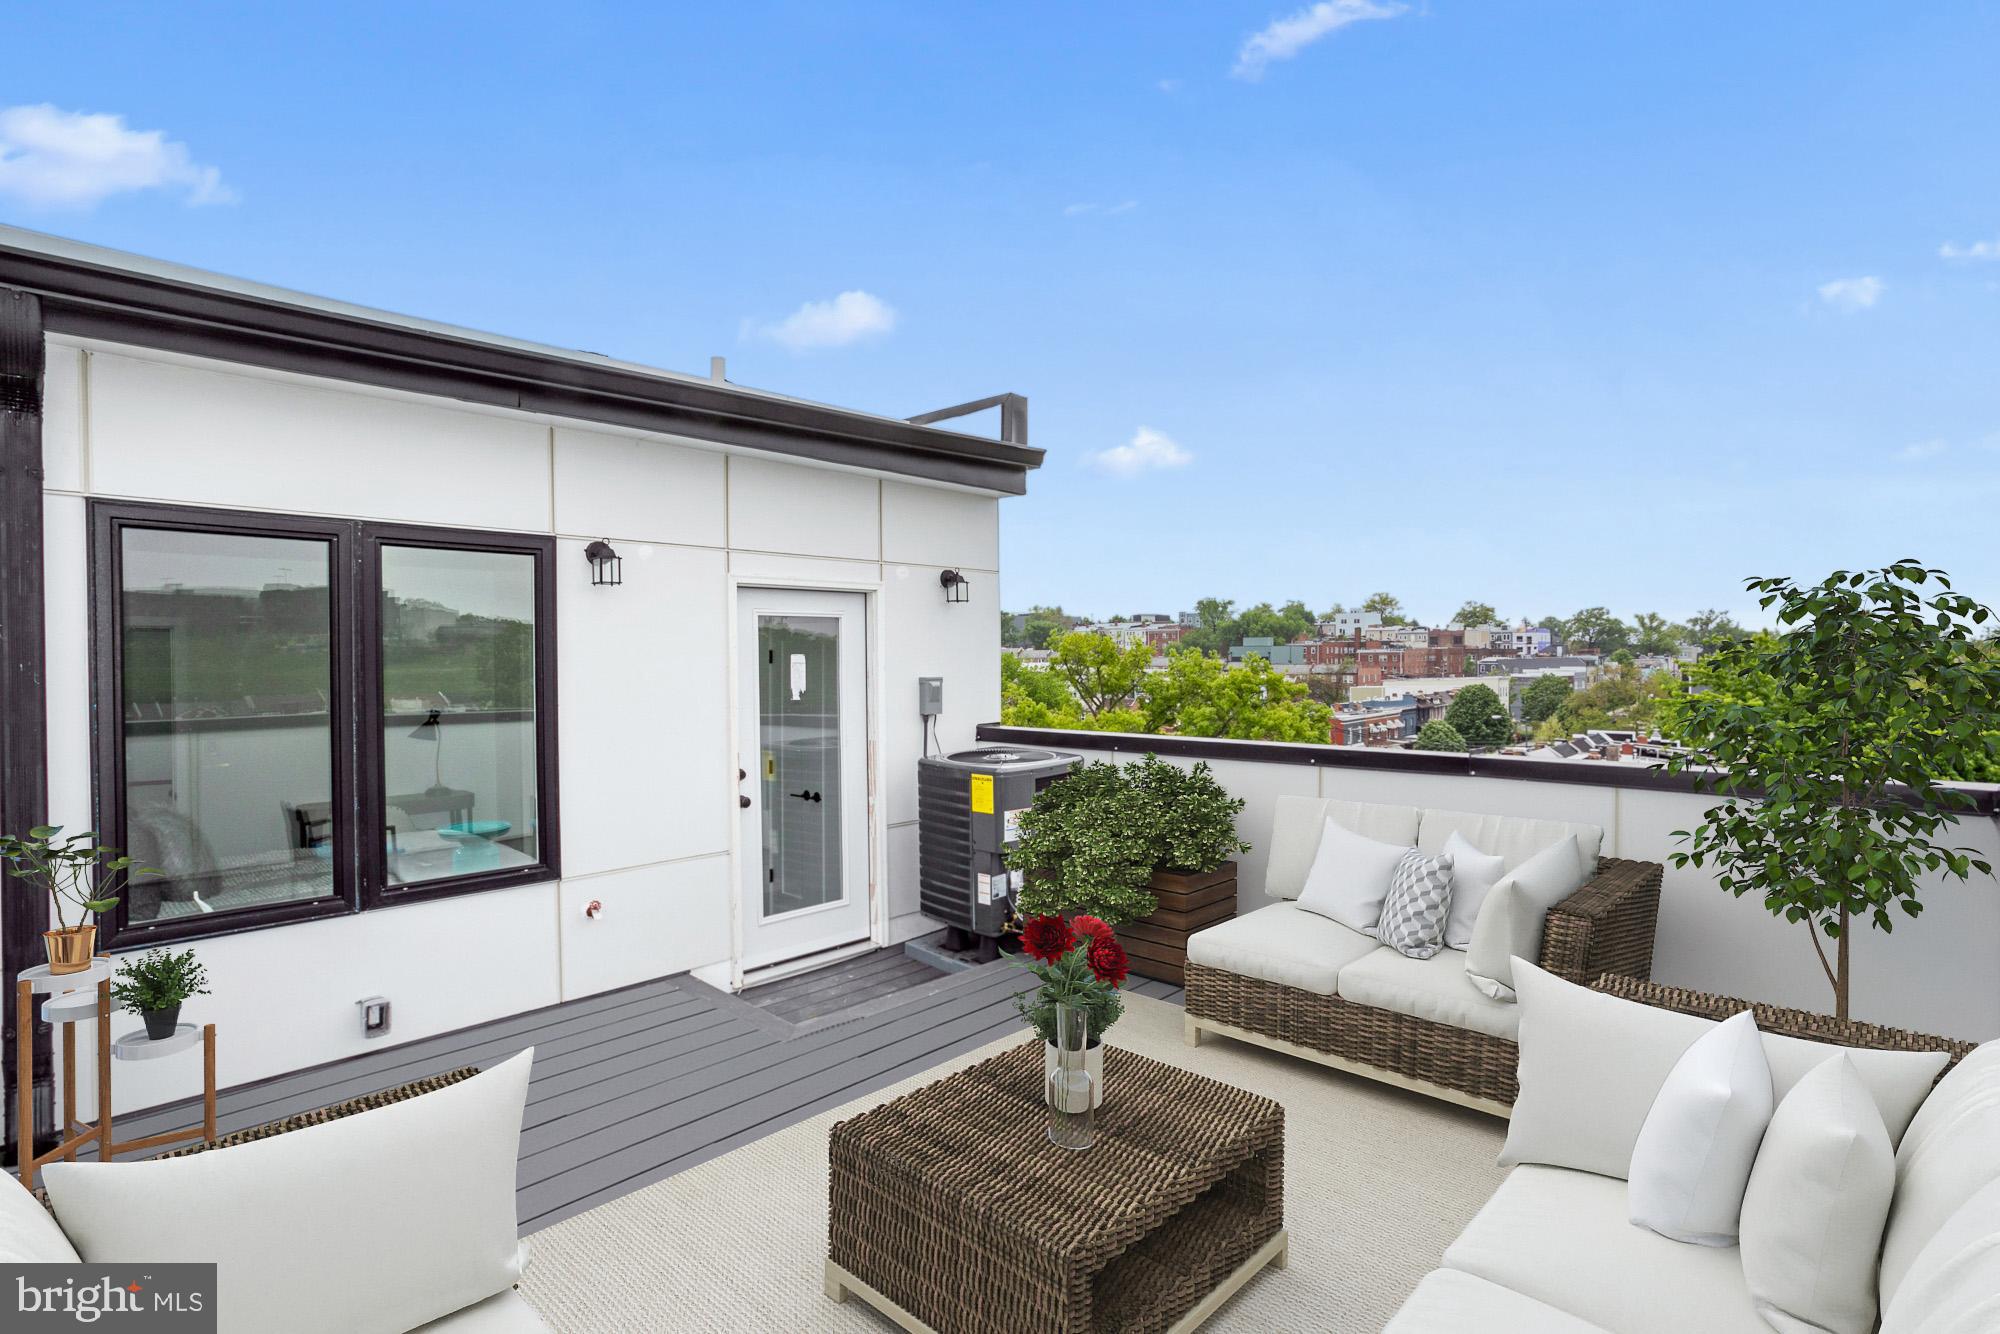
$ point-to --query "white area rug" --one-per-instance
(1377, 1183)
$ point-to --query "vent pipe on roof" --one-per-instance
(716, 367)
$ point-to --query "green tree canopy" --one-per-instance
(1654, 633)
(1543, 696)
(1597, 627)
(1830, 743)
(1214, 626)
(1201, 695)
(1621, 698)
(1437, 734)
(1282, 625)
(1479, 717)
(1388, 606)
(1476, 613)
(1101, 675)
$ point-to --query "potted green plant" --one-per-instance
(1080, 965)
(1147, 847)
(1833, 743)
(155, 984)
(74, 871)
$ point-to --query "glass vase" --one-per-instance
(1070, 1084)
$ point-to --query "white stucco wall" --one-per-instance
(1934, 974)
(646, 744)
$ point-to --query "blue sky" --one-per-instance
(1549, 304)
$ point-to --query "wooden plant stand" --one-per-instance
(1157, 945)
(69, 1004)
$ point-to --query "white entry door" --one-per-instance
(802, 745)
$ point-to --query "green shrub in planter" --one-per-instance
(1091, 842)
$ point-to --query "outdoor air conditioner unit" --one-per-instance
(969, 806)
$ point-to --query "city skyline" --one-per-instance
(1361, 293)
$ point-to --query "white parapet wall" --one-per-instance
(1934, 973)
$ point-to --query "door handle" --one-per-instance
(743, 801)
(805, 796)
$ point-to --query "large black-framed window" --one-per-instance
(300, 717)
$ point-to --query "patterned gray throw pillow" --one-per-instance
(1419, 902)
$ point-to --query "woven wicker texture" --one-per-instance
(952, 1202)
(368, 1102)
(1788, 1022)
(1605, 927)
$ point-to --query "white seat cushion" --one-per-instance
(1436, 989)
(502, 1313)
(1561, 1237)
(1295, 831)
(1284, 944)
(1450, 1301)
(1511, 838)
(376, 1222)
(28, 1235)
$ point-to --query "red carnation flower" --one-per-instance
(1107, 959)
(1086, 925)
(1047, 938)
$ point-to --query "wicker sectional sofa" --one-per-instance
(1297, 982)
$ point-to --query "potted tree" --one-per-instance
(1146, 847)
(1833, 743)
(155, 984)
(73, 871)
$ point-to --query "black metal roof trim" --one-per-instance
(90, 299)
(1644, 778)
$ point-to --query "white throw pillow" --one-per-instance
(1515, 914)
(1817, 1200)
(372, 1224)
(1473, 875)
(1350, 877)
(1954, 1285)
(1692, 1159)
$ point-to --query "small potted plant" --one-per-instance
(154, 985)
(75, 871)
(1081, 966)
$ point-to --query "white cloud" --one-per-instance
(1977, 250)
(1147, 451)
(1851, 293)
(848, 318)
(51, 158)
(1921, 450)
(1286, 37)
(1107, 210)
(1168, 85)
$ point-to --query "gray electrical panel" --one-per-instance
(930, 696)
(969, 807)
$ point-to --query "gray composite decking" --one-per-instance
(632, 1086)
(829, 993)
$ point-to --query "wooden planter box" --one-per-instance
(1157, 945)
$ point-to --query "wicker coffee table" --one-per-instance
(951, 1212)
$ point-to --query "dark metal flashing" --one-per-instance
(100, 300)
(24, 735)
(1984, 798)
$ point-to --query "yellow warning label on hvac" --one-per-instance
(982, 794)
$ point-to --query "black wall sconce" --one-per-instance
(956, 587)
(607, 567)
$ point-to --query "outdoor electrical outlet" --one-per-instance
(374, 1016)
(930, 696)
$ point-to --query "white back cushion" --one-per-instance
(1514, 916)
(1511, 838)
(1692, 1159)
(1350, 877)
(372, 1224)
(1591, 1065)
(1953, 1287)
(1950, 1152)
(1813, 1213)
(1473, 875)
(28, 1235)
(1296, 823)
